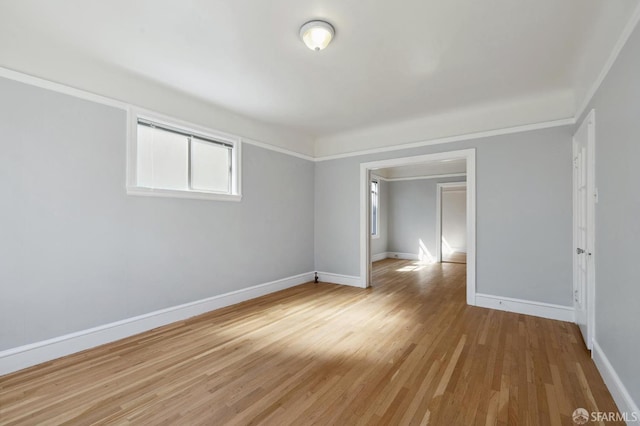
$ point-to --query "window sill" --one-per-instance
(169, 193)
(375, 237)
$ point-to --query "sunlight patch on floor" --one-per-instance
(418, 266)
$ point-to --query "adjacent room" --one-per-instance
(319, 212)
(419, 212)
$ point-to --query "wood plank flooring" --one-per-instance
(455, 257)
(407, 351)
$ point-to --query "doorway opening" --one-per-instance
(451, 222)
(423, 251)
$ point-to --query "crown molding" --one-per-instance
(115, 103)
(458, 138)
(93, 97)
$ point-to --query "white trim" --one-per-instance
(526, 307)
(395, 255)
(458, 138)
(379, 256)
(618, 391)
(169, 193)
(350, 280)
(83, 94)
(471, 228)
(444, 176)
(185, 125)
(439, 187)
(104, 100)
(134, 114)
(403, 256)
(277, 149)
(617, 48)
(365, 171)
(35, 353)
(419, 159)
(438, 223)
(61, 88)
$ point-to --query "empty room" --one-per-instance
(319, 212)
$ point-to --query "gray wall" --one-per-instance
(379, 245)
(77, 252)
(523, 213)
(412, 214)
(617, 105)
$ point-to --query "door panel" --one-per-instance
(583, 226)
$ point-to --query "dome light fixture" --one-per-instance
(317, 34)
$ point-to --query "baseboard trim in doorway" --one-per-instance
(350, 280)
(404, 256)
(527, 307)
(394, 255)
(617, 389)
(379, 256)
(36, 353)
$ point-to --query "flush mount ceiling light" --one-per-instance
(317, 34)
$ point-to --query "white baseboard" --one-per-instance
(379, 256)
(618, 390)
(349, 280)
(36, 353)
(527, 307)
(395, 255)
(459, 250)
(405, 256)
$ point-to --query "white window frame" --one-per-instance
(377, 182)
(132, 150)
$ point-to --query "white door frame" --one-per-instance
(365, 173)
(439, 188)
(590, 292)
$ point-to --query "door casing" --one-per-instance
(365, 175)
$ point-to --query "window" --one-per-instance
(375, 208)
(172, 160)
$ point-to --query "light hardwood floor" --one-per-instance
(455, 257)
(407, 351)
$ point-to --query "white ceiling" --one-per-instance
(431, 168)
(389, 61)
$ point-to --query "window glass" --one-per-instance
(210, 166)
(162, 159)
(170, 159)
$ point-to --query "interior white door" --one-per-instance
(583, 226)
